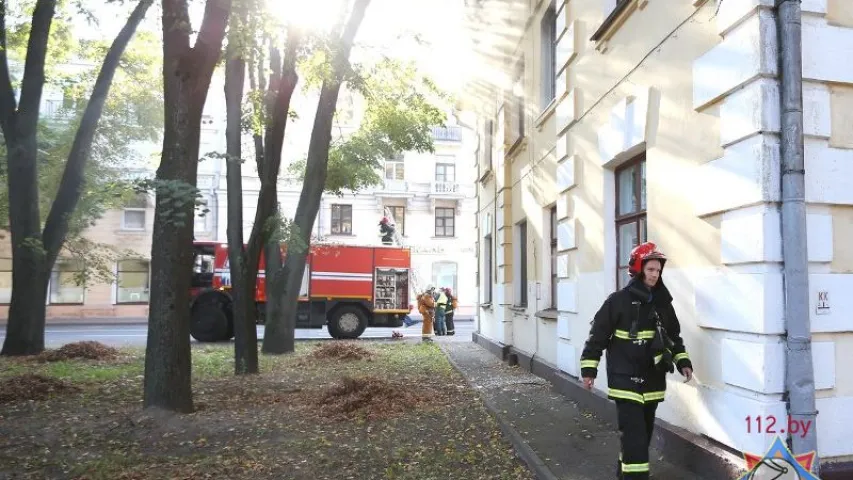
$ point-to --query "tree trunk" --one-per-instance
(279, 334)
(186, 73)
(282, 84)
(317, 163)
(243, 276)
(25, 327)
(56, 227)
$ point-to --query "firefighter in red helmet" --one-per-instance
(638, 327)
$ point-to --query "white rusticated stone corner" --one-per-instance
(567, 296)
(749, 110)
(754, 365)
(566, 357)
(567, 47)
(833, 438)
(741, 302)
(731, 13)
(566, 174)
(566, 234)
(751, 235)
(748, 50)
(562, 205)
(748, 173)
(564, 326)
(563, 265)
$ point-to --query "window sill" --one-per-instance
(546, 114)
(486, 306)
(616, 19)
(548, 314)
(519, 308)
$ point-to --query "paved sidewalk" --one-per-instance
(554, 437)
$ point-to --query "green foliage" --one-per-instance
(173, 198)
(400, 113)
(133, 114)
(284, 231)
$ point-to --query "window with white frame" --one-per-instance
(521, 269)
(132, 281)
(554, 279)
(445, 225)
(444, 275)
(65, 287)
(548, 38)
(341, 219)
(133, 215)
(395, 169)
(630, 212)
(487, 268)
(445, 171)
(398, 214)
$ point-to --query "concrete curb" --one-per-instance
(527, 454)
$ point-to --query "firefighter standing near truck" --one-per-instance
(641, 333)
(426, 307)
(451, 308)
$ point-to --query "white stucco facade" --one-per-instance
(689, 96)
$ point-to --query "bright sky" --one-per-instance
(437, 22)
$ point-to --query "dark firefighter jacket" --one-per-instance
(642, 336)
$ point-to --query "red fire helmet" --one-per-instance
(640, 254)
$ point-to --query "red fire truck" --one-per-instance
(347, 287)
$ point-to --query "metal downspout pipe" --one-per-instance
(799, 371)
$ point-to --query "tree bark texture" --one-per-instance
(25, 330)
(187, 72)
(243, 276)
(317, 162)
(282, 85)
(279, 333)
(25, 327)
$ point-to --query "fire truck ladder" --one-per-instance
(414, 276)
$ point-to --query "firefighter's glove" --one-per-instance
(664, 362)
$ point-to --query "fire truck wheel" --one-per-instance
(212, 318)
(347, 322)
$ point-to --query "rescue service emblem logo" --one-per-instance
(779, 464)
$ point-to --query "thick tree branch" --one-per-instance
(208, 45)
(7, 94)
(33, 83)
(68, 195)
(276, 127)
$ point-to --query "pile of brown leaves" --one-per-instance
(370, 396)
(89, 350)
(340, 351)
(32, 387)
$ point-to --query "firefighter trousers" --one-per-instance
(426, 330)
(636, 424)
(448, 318)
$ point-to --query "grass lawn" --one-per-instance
(332, 410)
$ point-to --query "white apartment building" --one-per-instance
(430, 195)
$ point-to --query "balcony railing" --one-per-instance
(447, 134)
(445, 188)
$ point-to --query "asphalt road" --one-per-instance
(136, 335)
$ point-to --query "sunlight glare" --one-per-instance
(315, 16)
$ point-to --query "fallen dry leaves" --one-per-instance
(88, 350)
(32, 387)
(383, 410)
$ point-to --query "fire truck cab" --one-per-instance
(345, 287)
